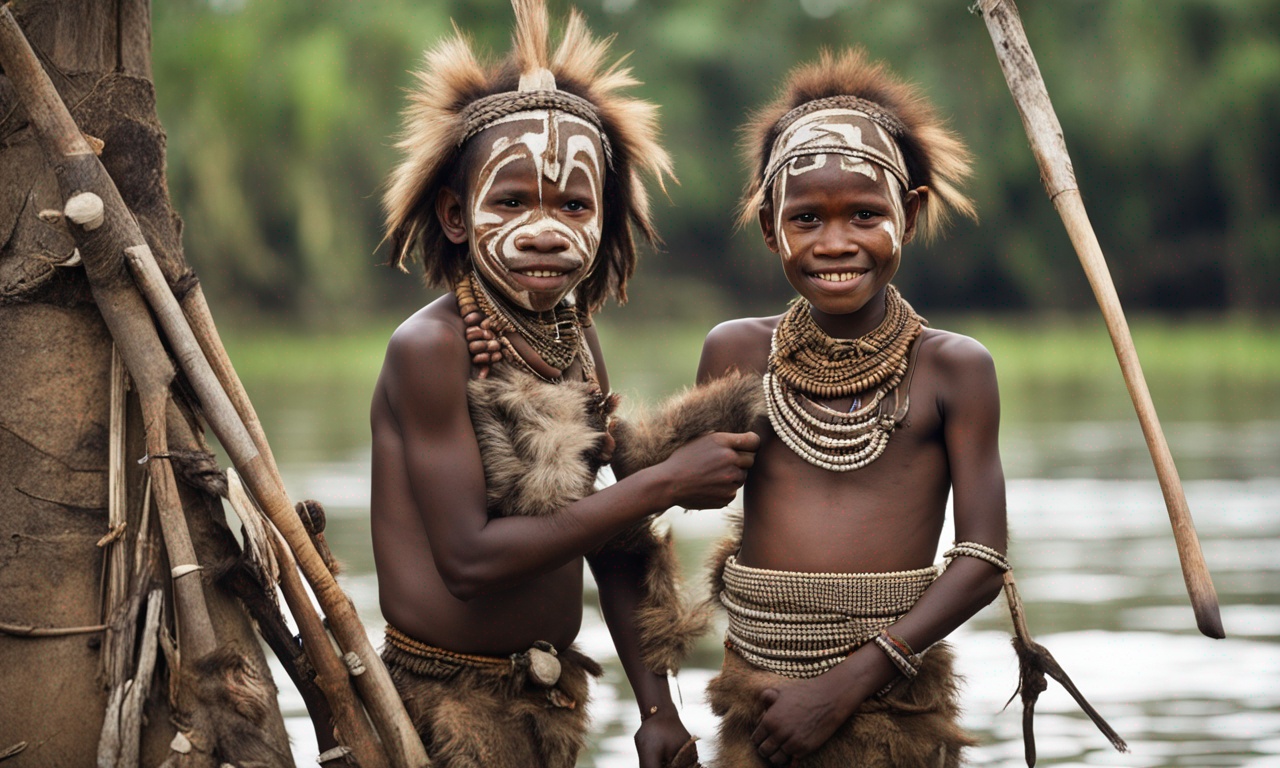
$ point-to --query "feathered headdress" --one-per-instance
(457, 93)
(934, 156)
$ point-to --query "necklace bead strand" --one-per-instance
(806, 364)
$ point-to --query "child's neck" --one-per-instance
(854, 324)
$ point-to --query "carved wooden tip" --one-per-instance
(85, 209)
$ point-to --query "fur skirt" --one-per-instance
(914, 725)
(492, 715)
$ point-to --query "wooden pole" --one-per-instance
(1047, 143)
(104, 248)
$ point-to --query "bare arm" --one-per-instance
(619, 576)
(425, 378)
(803, 716)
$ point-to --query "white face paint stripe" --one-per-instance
(888, 182)
(780, 199)
(494, 242)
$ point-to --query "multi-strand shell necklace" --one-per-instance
(806, 364)
(557, 341)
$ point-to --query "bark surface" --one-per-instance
(55, 365)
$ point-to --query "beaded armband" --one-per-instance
(980, 551)
(906, 660)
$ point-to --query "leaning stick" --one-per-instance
(1047, 143)
(331, 675)
(79, 171)
(376, 688)
(122, 309)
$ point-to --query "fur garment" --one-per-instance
(669, 624)
(733, 403)
(491, 717)
(915, 725)
(541, 443)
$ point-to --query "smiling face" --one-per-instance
(533, 209)
(839, 224)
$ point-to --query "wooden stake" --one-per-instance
(128, 319)
(331, 674)
(1047, 143)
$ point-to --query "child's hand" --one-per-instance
(659, 738)
(798, 719)
(707, 472)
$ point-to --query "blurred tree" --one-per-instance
(282, 117)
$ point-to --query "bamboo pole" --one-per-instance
(376, 688)
(1049, 146)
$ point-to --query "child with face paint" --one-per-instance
(837, 613)
(491, 415)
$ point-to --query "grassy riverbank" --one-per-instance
(652, 358)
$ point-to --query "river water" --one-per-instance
(1092, 549)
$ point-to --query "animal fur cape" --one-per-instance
(542, 444)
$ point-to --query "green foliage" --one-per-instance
(281, 118)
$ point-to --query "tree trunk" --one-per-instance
(55, 392)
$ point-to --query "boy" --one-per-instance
(489, 418)
(873, 419)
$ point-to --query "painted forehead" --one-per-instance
(843, 132)
(556, 142)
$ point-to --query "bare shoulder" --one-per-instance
(955, 352)
(432, 332)
(741, 344)
(958, 367)
(427, 353)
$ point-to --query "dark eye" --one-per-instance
(509, 202)
(865, 215)
(805, 218)
(573, 206)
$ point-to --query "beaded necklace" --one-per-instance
(805, 363)
(558, 343)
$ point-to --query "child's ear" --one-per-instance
(766, 226)
(449, 212)
(912, 203)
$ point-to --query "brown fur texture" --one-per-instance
(453, 77)
(669, 623)
(733, 403)
(540, 443)
(231, 702)
(936, 157)
(915, 725)
(492, 718)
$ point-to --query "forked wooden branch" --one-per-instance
(1047, 143)
(1035, 662)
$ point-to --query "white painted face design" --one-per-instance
(848, 133)
(535, 207)
(803, 164)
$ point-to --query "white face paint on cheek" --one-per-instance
(779, 200)
(586, 147)
(898, 225)
(494, 240)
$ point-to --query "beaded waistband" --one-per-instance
(433, 655)
(802, 624)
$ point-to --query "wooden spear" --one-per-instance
(1047, 143)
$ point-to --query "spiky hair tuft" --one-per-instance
(936, 157)
(452, 77)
